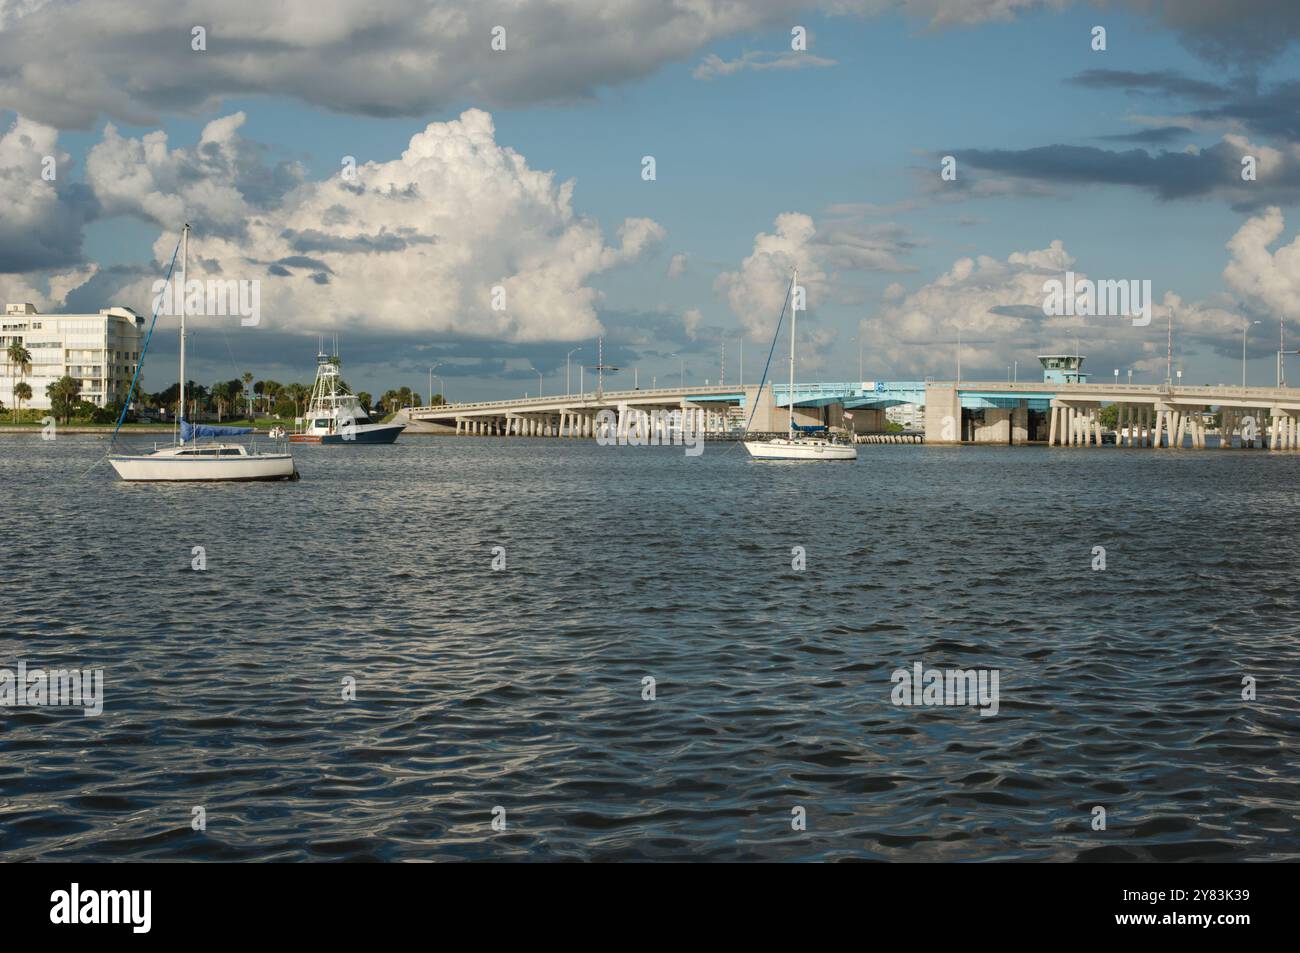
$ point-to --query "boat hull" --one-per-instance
(159, 468)
(364, 434)
(797, 450)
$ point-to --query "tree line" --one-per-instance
(241, 397)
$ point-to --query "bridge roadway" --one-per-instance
(990, 412)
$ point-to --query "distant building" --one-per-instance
(908, 416)
(1062, 369)
(100, 351)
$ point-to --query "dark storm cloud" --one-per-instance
(314, 240)
(1241, 33)
(1169, 175)
(1155, 136)
(1270, 110)
(1163, 83)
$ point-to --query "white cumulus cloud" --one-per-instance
(415, 245)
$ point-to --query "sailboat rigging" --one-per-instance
(800, 442)
(189, 459)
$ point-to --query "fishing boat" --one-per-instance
(801, 442)
(189, 459)
(334, 415)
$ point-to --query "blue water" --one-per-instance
(522, 688)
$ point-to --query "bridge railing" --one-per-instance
(854, 390)
(1212, 391)
(588, 397)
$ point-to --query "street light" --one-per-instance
(1281, 349)
(539, 379)
(566, 369)
(433, 368)
(681, 380)
(1244, 328)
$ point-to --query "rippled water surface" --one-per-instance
(522, 688)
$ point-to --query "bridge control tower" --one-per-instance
(1062, 369)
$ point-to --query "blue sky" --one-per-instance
(736, 151)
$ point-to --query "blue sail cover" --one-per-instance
(815, 428)
(189, 431)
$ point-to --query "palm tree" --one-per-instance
(22, 392)
(221, 394)
(298, 394)
(64, 394)
(21, 358)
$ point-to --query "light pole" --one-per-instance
(566, 369)
(1281, 348)
(681, 379)
(1130, 376)
(539, 379)
(959, 353)
(1169, 351)
(1015, 372)
(1244, 328)
(442, 389)
(433, 368)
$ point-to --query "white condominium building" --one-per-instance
(99, 351)
(908, 415)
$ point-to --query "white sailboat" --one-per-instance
(799, 444)
(190, 460)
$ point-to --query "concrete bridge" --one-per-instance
(1069, 414)
(987, 412)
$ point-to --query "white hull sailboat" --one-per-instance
(219, 461)
(799, 444)
(800, 448)
(190, 459)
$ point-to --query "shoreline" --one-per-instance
(12, 429)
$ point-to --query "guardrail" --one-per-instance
(589, 397)
(854, 390)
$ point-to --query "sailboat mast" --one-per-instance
(794, 314)
(185, 258)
